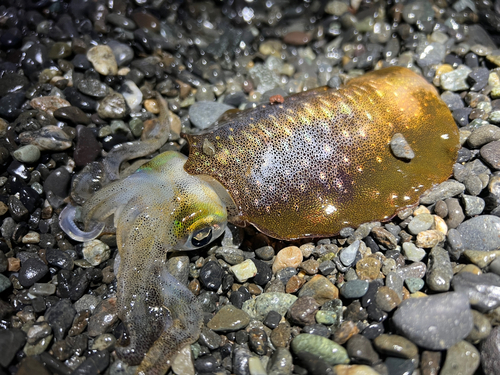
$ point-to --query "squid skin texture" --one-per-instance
(321, 161)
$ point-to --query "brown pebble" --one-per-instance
(320, 288)
(429, 362)
(108, 275)
(290, 256)
(346, 330)
(387, 299)
(80, 322)
(296, 38)
(303, 311)
(354, 370)
(254, 289)
(195, 287)
(384, 237)
(395, 346)
(14, 264)
(294, 284)
(3, 208)
(152, 106)
(276, 99)
(146, 20)
(49, 103)
(429, 238)
(281, 335)
(368, 268)
(184, 89)
(310, 266)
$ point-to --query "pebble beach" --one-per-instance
(418, 294)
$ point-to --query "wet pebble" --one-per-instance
(87, 148)
(103, 60)
(491, 154)
(60, 317)
(326, 349)
(303, 311)
(211, 275)
(461, 358)
(260, 306)
(354, 289)
(244, 270)
(11, 340)
(32, 270)
(113, 106)
(439, 270)
(228, 319)
(320, 288)
(360, 350)
(483, 291)
(436, 322)
(480, 233)
(27, 154)
(203, 114)
(395, 346)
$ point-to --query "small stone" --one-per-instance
(430, 362)
(354, 370)
(387, 299)
(93, 88)
(395, 346)
(244, 270)
(480, 233)
(354, 289)
(320, 288)
(4, 283)
(260, 306)
(491, 154)
(490, 352)
(95, 252)
(103, 60)
(48, 138)
(482, 328)
(203, 114)
(368, 268)
(290, 256)
(73, 115)
(229, 319)
(106, 341)
(420, 223)
(326, 349)
(183, 364)
(400, 147)
(413, 253)
(436, 322)
(27, 154)
(11, 340)
(429, 238)
(49, 103)
(456, 80)
(104, 317)
(60, 317)
(482, 258)
(462, 358)
(113, 106)
(483, 135)
(87, 148)
(303, 311)
(360, 350)
(280, 363)
(211, 275)
(439, 270)
(348, 255)
(133, 96)
(442, 191)
(32, 271)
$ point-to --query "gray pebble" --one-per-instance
(483, 291)
(482, 135)
(490, 353)
(473, 205)
(442, 191)
(420, 223)
(455, 213)
(439, 270)
(93, 87)
(456, 80)
(204, 114)
(482, 327)
(452, 100)
(429, 54)
(27, 154)
(124, 54)
(491, 154)
(480, 233)
(416, 269)
(280, 363)
(400, 147)
(414, 284)
(435, 322)
(113, 106)
(395, 282)
(354, 289)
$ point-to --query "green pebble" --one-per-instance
(118, 125)
(260, 306)
(27, 154)
(494, 117)
(326, 317)
(328, 350)
(136, 126)
(414, 284)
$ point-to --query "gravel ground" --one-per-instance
(79, 77)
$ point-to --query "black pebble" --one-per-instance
(211, 275)
(32, 271)
(272, 319)
(94, 364)
(11, 340)
(60, 317)
(264, 272)
(373, 330)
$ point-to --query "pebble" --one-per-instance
(348, 255)
(11, 341)
(229, 319)
(211, 275)
(203, 114)
(260, 306)
(400, 147)
(482, 258)
(103, 60)
(60, 317)
(49, 103)
(420, 223)
(32, 270)
(244, 270)
(290, 256)
(280, 363)
(93, 88)
(4, 283)
(27, 154)
(360, 350)
(183, 364)
(483, 291)
(387, 299)
(491, 154)
(368, 268)
(456, 80)
(395, 346)
(103, 318)
(490, 352)
(71, 114)
(483, 135)
(113, 106)
(123, 53)
(95, 252)
(439, 270)
(429, 238)
(133, 96)
(303, 311)
(48, 138)
(412, 252)
(442, 191)
(320, 288)
(354, 370)
(480, 233)
(354, 289)
(87, 148)
(326, 349)
(435, 322)
(461, 358)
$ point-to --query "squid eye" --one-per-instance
(202, 237)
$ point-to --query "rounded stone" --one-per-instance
(27, 154)
(103, 60)
(326, 349)
(229, 319)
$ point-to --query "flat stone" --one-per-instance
(229, 319)
(439, 270)
(203, 114)
(395, 346)
(444, 190)
(435, 322)
(491, 154)
(326, 349)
